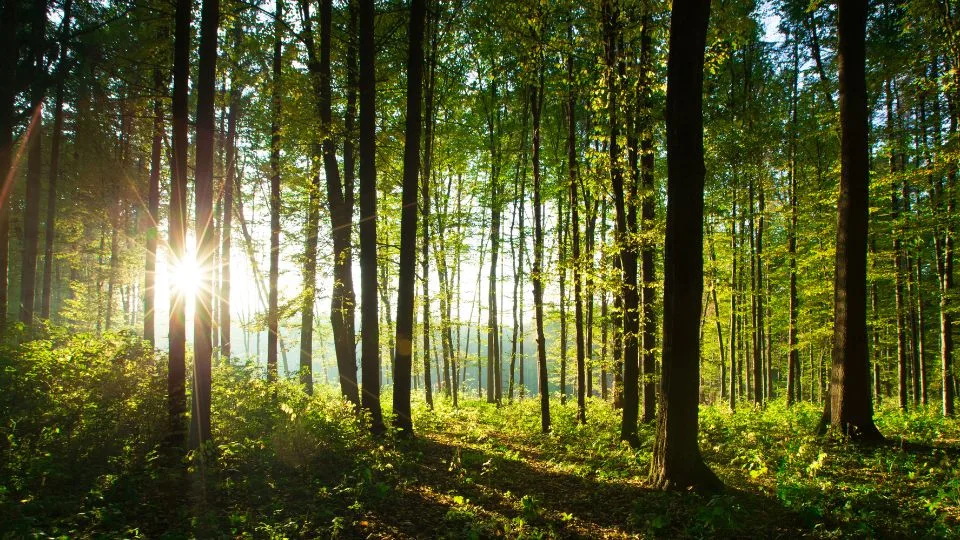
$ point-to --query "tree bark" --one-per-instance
(536, 274)
(55, 137)
(370, 345)
(403, 361)
(8, 67)
(273, 316)
(31, 215)
(226, 223)
(849, 407)
(647, 215)
(177, 217)
(153, 212)
(628, 259)
(677, 463)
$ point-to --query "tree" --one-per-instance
(677, 463)
(627, 249)
(575, 225)
(403, 361)
(206, 242)
(340, 196)
(536, 272)
(849, 407)
(177, 217)
(56, 136)
(229, 188)
(31, 216)
(370, 344)
(153, 210)
(276, 85)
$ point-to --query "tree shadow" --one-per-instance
(456, 490)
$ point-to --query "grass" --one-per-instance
(81, 456)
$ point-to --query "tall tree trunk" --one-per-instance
(206, 242)
(793, 354)
(677, 463)
(849, 407)
(8, 68)
(340, 197)
(273, 316)
(493, 325)
(177, 218)
(31, 216)
(920, 363)
(562, 300)
(403, 361)
(898, 257)
(536, 274)
(432, 25)
(628, 259)
(55, 170)
(226, 227)
(572, 170)
(734, 334)
(112, 271)
(370, 353)
(647, 215)
(153, 212)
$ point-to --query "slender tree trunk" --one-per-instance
(31, 216)
(226, 227)
(572, 170)
(734, 335)
(370, 353)
(536, 274)
(206, 243)
(8, 67)
(628, 260)
(562, 271)
(112, 271)
(647, 211)
(177, 218)
(920, 363)
(55, 170)
(677, 463)
(793, 354)
(403, 361)
(273, 319)
(898, 258)
(153, 213)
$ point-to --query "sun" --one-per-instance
(185, 277)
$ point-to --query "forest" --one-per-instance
(478, 268)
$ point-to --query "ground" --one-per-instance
(82, 456)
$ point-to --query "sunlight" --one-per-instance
(185, 277)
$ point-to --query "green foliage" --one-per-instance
(83, 455)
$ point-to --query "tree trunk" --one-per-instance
(572, 170)
(31, 216)
(628, 259)
(177, 218)
(647, 215)
(226, 227)
(153, 213)
(273, 321)
(370, 353)
(898, 258)
(793, 358)
(536, 274)
(403, 361)
(677, 463)
(206, 243)
(55, 170)
(8, 67)
(849, 407)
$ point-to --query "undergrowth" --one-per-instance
(82, 454)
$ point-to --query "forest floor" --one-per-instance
(81, 456)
